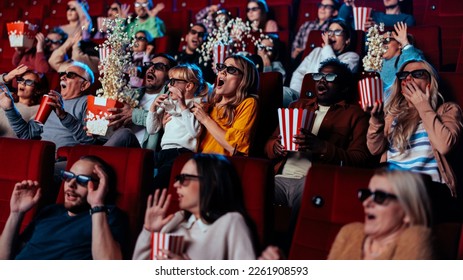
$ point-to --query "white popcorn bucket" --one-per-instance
(291, 120)
(361, 14)
(97, 111)
(165, 241)
(220, 53)
(370, 89)
(21, 34)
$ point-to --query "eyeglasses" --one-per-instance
(71, 75)
(181, 178)
(337, 32)
(141, 38)
(379, 197)
(172, 81)
(138, 5)
(27, 82)
(417, 74)
(386, 41)
(158, 66)
(114, 9)
(80, 179)
(48, 40)
(230, 69)
(200, 34)
(71, 8)
(330, 77)
(254, 9)
(323, 6)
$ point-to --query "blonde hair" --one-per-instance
(247, 87)
(191, 73)
(410, 189)
(406, 117)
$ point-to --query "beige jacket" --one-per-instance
(414, 243)
(444, 129)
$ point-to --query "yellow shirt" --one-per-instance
(238, 135)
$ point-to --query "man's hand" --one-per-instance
(308, 142)
(278, 148)
(120, 116)
(97, 191)
(26, 195)
(377, 111)
(296, 52)
(57, 103)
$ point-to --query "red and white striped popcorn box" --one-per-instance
(165, 241)
(104, 53)
(97, 112)
(220, 53)
(361, 14)
(370, 90)
(291, 120)
(21, 34)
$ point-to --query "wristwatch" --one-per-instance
(98, 209)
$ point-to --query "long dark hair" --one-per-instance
(221, 191)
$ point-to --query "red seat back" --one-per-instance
(428, 40)
(329, 201)
(258, 183)
(134, 174)
(25, 160)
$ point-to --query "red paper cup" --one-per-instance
(361, 14)
(370, 90)
(165, 241)
(44, 110)
(291, 120)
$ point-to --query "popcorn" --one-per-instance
(236, 34)
(373, 61)
(115, 61)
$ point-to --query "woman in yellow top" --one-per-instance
(234, 109)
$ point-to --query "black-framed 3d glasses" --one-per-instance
(379, 197)
(82, 180)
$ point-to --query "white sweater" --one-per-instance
(228, 238)
(182, 131)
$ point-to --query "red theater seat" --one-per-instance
(25, 160)
(450, 86)
(257, 180)
(428, 40)
(134, 171)
(329, 202)
(308, 87)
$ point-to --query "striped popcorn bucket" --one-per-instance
(370, 89)
(104, 53)
(361, 14)
(290, 121)
(220, 53)
(165, 241)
